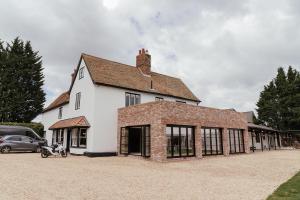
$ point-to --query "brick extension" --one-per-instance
(161, 113)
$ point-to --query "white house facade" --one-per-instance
(116, 109)
(85, 118)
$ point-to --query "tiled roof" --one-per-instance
(71, 123)
(115, 74)
(110, 73)
(59, 101)
(255, 126)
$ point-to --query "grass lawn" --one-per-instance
(289, 190)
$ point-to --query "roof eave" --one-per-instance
(150, 92)
(59, 105)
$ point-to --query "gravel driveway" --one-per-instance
(252, 176)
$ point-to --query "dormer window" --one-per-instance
(60, 112)
(81, 72)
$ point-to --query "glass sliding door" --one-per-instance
(212, 143)
(180, 141)
(135, 140)
(124, 141)
(146, 141)
(236, 141)
(176, 142)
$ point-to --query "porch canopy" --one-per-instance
(79, 122)
(259, 131)
(255, 127)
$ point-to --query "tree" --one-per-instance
(21, 79)
(278, 104)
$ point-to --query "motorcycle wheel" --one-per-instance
(44, 154)
(64, 154)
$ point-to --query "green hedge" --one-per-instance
(37, 127)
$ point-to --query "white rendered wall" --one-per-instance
(99, 104)
(87, 101)
(108, 100)
(87, 89)
(50, 117)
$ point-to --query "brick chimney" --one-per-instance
(143, 61)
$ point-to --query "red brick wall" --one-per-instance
(160, 114)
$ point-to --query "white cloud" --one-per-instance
(110, 4)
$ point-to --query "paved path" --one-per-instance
(252, 176)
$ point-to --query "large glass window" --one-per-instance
(211, 141)
(132, 99)
(54, 137)
(60, 136)
(74, 138)
(135, 140)
(236, 141)
(82, 138)
(181, 141)
(79, 137)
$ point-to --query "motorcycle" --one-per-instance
(54, 150)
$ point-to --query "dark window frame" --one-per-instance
(208, 146)
(257, 137)
(77, 100)
(238, 142)
(145, 140)
(60, 111)
(132, 96)
(159, 98)
(81, 73)
(180, 155)
(77, 134)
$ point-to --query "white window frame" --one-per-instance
(81, 73)
(159, 98)
(129, 96)
(80, 137)
(74, 138)
(77, 100)
(60, 110)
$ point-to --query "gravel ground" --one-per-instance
(252, 176)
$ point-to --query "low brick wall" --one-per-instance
(161, 113)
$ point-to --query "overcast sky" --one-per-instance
(225, 51)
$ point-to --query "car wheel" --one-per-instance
(5, 149)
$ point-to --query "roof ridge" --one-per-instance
(128, 65)
(108, 60)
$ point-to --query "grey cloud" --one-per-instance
(225, 51)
